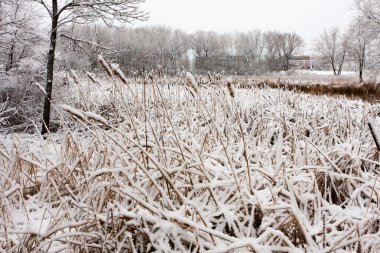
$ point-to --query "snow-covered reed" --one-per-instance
(262, 171)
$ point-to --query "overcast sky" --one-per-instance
(308, 18)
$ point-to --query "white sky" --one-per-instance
(308, 18)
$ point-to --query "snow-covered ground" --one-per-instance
(324, 76)
(313, 72)
(325, 73)
(265, 170)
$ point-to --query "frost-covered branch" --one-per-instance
(375, 133)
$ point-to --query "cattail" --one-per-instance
(191, 82)
(258, 217)
(40, 87)
(230, 88)
(150, 76)
(73, 111)
(84, 116)
(159, 70)
(96, 117)
(105, 65)
(115, 68)
(91, 76)
(75, 76)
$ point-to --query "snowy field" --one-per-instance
(324, 73)
(164, 167)
(318, 77)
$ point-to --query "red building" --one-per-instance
(305, 62)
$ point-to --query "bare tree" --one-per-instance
(333, 46)
(81, 11)
(291, 43)
(273, 51)
(178, 46)
(249, 49)
(18, 31)
(362, 34)
(257, 41)
(281, 47)
(244, 51)
(370, 9)
(206, 46)
(365, 30)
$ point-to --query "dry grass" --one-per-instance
(342, 86)
(159, 169)
(365, 91)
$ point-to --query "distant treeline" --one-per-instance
(160, 47)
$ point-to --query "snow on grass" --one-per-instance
(170, 171)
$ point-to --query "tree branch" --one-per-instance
(45, 6)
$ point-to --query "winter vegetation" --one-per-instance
(151, 139)
(167, 165)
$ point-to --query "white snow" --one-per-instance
(171, 175)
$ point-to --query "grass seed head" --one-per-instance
(75, 76)
(73, 111)
(105, 65)
(91, 76)
(115, 68)
(230, 88)
(191, 82)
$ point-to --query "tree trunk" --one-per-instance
(10, 59)
(341, 64)
(50, 71)
(361, 64)
(360, 74)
